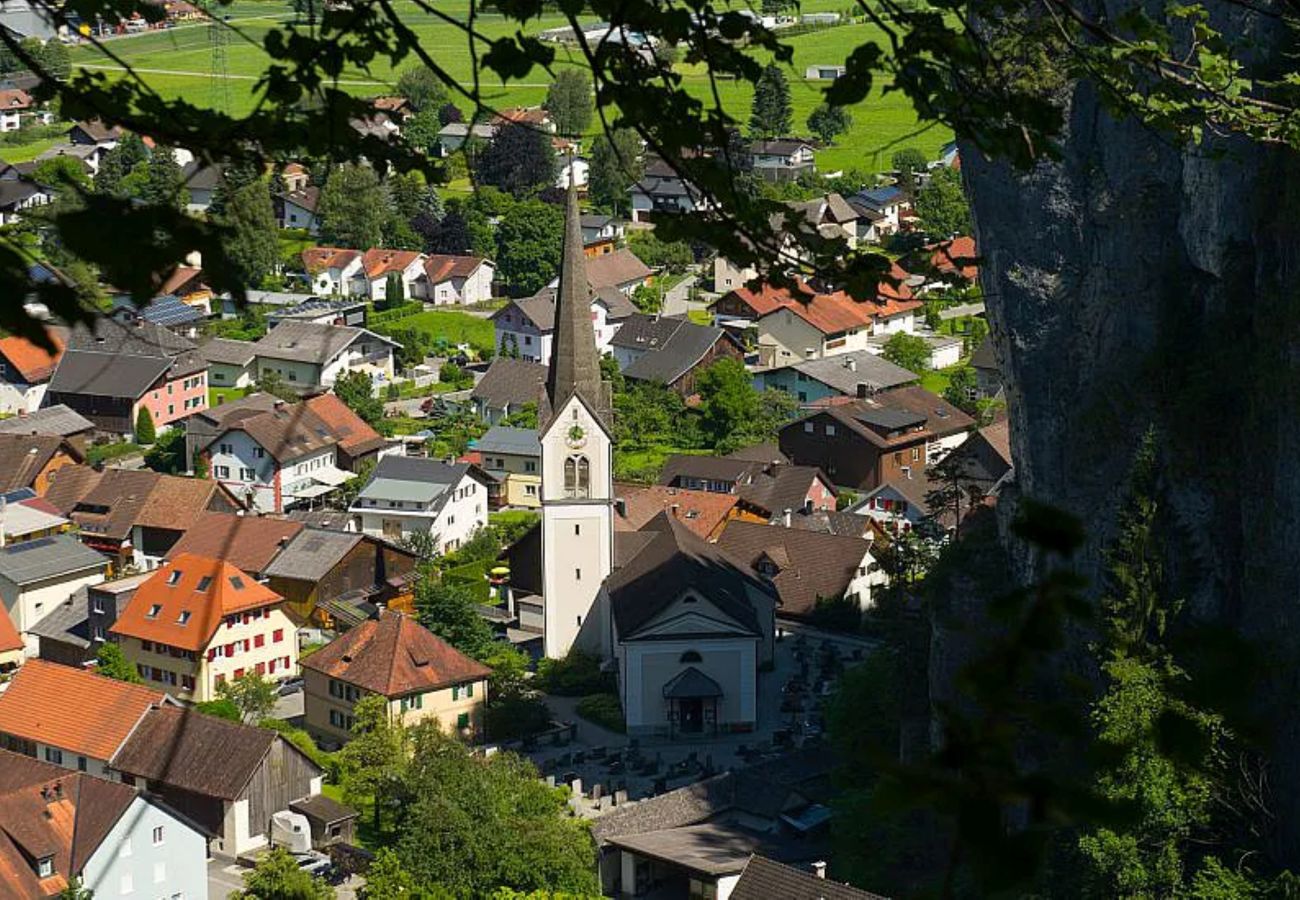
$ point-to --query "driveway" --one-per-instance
(224, 878)
(675, 301)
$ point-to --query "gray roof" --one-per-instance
(764, 878)
(540, 307)
(121, 360)
(983, 357)
(48, 557)
(228, 352)
(312, 553)
(709, 849)
(311, 342)
(411, 478)
(684, 349)
(57, 420)
(846, 371)
(503, 439)
(510, 382)
(68, 623)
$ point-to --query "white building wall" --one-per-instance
(462, 515)
(20, 397)
(224, 376)
(28, 604)
(234, 462)
(128, 862)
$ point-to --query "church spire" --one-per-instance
(575, 364)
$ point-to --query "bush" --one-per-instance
(516, 717)
(300, 739)
(145, 433)
(394, 312)
(222, 709)
(603, 710)
(574, 676)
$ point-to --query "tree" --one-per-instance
(942, 206)
(252, 234)
(421, 130)
(569, 101)
(449, 113)
(829, 122)
(354, 208)
(145, 434)
(771, 114)
(372, 764)
(908, 162)
(164, 184)
(520, 161)
(357, 391)
(111, 662)
(660, 254)
(530, 240)
(422, 88)
(450, 611)
(732, 413)
(119, 163)
(273, 383)
(277, 877)
(76, 890)
(386, 879)
(61, 171)
(616, 165)
(167, 455)
(961, 389)
(222, 709)
(909, 351)
(253, 695)
(56, 60)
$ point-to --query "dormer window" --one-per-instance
(174, 577)
(153, 612)
(45, 867)
(236, 582)
(184, 618)
(204, 583)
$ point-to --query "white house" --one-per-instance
(573, 169)
(378, 264)
(331, 270)
(782, 159)
(457, 279)
(662, 190)
(408, 495)
(526, 325)
(14, 103)
(881, 209)
(230, 363)
(310, 355)
(150, 846)
(37, 576)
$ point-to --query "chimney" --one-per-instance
(785, 518)
(819, 868)
(675, 508)
(851, 364)
(862, 390)
(620, 506)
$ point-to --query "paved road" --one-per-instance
(675, 301)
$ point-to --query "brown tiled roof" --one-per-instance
(173, 502)
(700, 511)
(246, 542)
(15, 98)
(32, 362)
(441, 266)
(119, 499)
(69, 484)
(510, 381)
(764, 879)
(616, 269)
(318, 259)
(941, 418)
(811, 564)
(202, 754)
(378, 262)
(955, 257)
(394, 655)
(183, 602)
(73, 709)
(998, 436)
(287, 432)
(780, 487)
(352, 432)
(22, 456)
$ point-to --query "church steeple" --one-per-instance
(575, 364)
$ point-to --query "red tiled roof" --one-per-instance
(182, 276)
(955, 257)
(183, 603)
(318, 259)
(246, 542)
(700, 511)
(394, 655)
(378, 262)
(73, 709)
(828, 313)
(15, 98)
(33, 363)
(351, 430)
(441, 266)
(535, 115)
(10, 639)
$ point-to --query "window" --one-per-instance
(277, 635)
(807, 427)
(81, 764)
(222, 471)
(259, 452)
(469, 689)
(577, 574)
(530, 490)
(154, 610)
(259, 640)
(146, 646)
(691, 656)
(577, 477)
(204, 583)
(577, 530)
(45, 866)
(803, 396)
(53, 755)
(830, 431)
(247, 474)
(97, 605)
(462, 720)
(916, 453)
(183, 618)
(530, 466)
(127, 884)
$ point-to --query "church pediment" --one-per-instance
(702, 622)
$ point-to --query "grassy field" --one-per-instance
(177, 63)
(16, 153)
(455, 327)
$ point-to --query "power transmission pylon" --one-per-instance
(218, 41)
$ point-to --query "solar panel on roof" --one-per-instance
(28, 546)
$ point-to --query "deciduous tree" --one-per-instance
(529, 241)
(251, 693)
(354, 208)
(277, 877)
(357, 391)
(111, 662)
(450, 611)
(829, 122)
(520, 161)
(422, 88)
(909, 351)
(569, 101)
(942, 206)
(252, 241)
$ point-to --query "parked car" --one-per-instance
(290, 686)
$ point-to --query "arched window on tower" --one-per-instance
(577, 477)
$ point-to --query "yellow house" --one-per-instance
(198, 622)
(421, 676)
(513, 456)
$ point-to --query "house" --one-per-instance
(458, 279)
(18, 196)
(59, 827)
(72, 633)
(704, 512)
(988, 376)
(889, 436)
(945, 350)
(14, 102)
(335, 578)
(332, 270)
(249, 543)
(859, 373)
(227, 778)
(13, 649)
(405, 496)
(421, 676)
(806, 567)
(955, 261)
(38, 717)
(198, 622)
(621, 270)
(454, 135)
(25, 371)
(600, 233)
(781, 159)
(201, 182)
(881, 209)
(323, 311)
(763, 878)
(36, 576)
(308, 355)
(507, 386)
(899, 505)
(768, 489)
(571, 169)
(296, 208)
(30, 460)
(526, 326)
(823, 73)
(274, 459)
(94, 133)
(671, 352)
(230, 363)
(27, 518)
(111, 372)
(88, 156)
(513, 457)
(55, 421)
(661, 190)
(405, 269)
(166, 310)
(357, 441)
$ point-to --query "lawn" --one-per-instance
(177, 63)
(16, 153)
(644, 465)
(451, 325)
(218, 396)
(100, 453)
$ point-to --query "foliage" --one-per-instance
(568, 100)
(908, 163)
(221, 709)
(422, 87)
(520, 161)
(524, 416)
(451, 374)
(76, 890)
(354, 208)
(273, 383)
(357, 391)
(111, 662)
(118, 164)
(277, 877)
(514, 709)
(145, 433)
(347, 493)
(829, 122)
(451, 612)
(962, 384)
(373, 763)
(251, 241)
(253, 695)
(771, 114)
(658, 254)
(604, 710)
(299, 738)
(648, 413)
(167, 455)
(575, 675)
(909, 351)
(61, 172)
(530, 240)
(732, 413)
(942, 206)
(100, 453)
(164, 184)
(387, 879)
(421, 130)
(616, 165)
(50, 56)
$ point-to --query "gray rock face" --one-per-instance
(1132, 284)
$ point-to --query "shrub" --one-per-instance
(574, 676)
(222, 709)
(145, 433)
(603, 710)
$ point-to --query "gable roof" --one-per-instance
(228, 352)
(510, 382)
(286, 431)
(955, 257)
(49, 557)
(60, 420)
(845, 371)
(311, 342)
(33, 363)
(828, 313)
(673, 352)
(776, 488)
(10, 639)
(700, 511)
(378, 262)
(249, 543)
(413, 478)
(354, 435)
(312, 553)
(318, 259)
(983, 357)
(183, 603)
(901, 409)
(811, 564)
(394, 655)
(203, 754)
(110, 503)
(36, 707)
(508, 440)
(442, 267)
(114, 359)
(540, 307)
(763, 879)
(616, 269)
(23, 456)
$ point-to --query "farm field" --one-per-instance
(176, 63)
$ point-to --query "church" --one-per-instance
(685, 627)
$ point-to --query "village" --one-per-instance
(495, 477)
